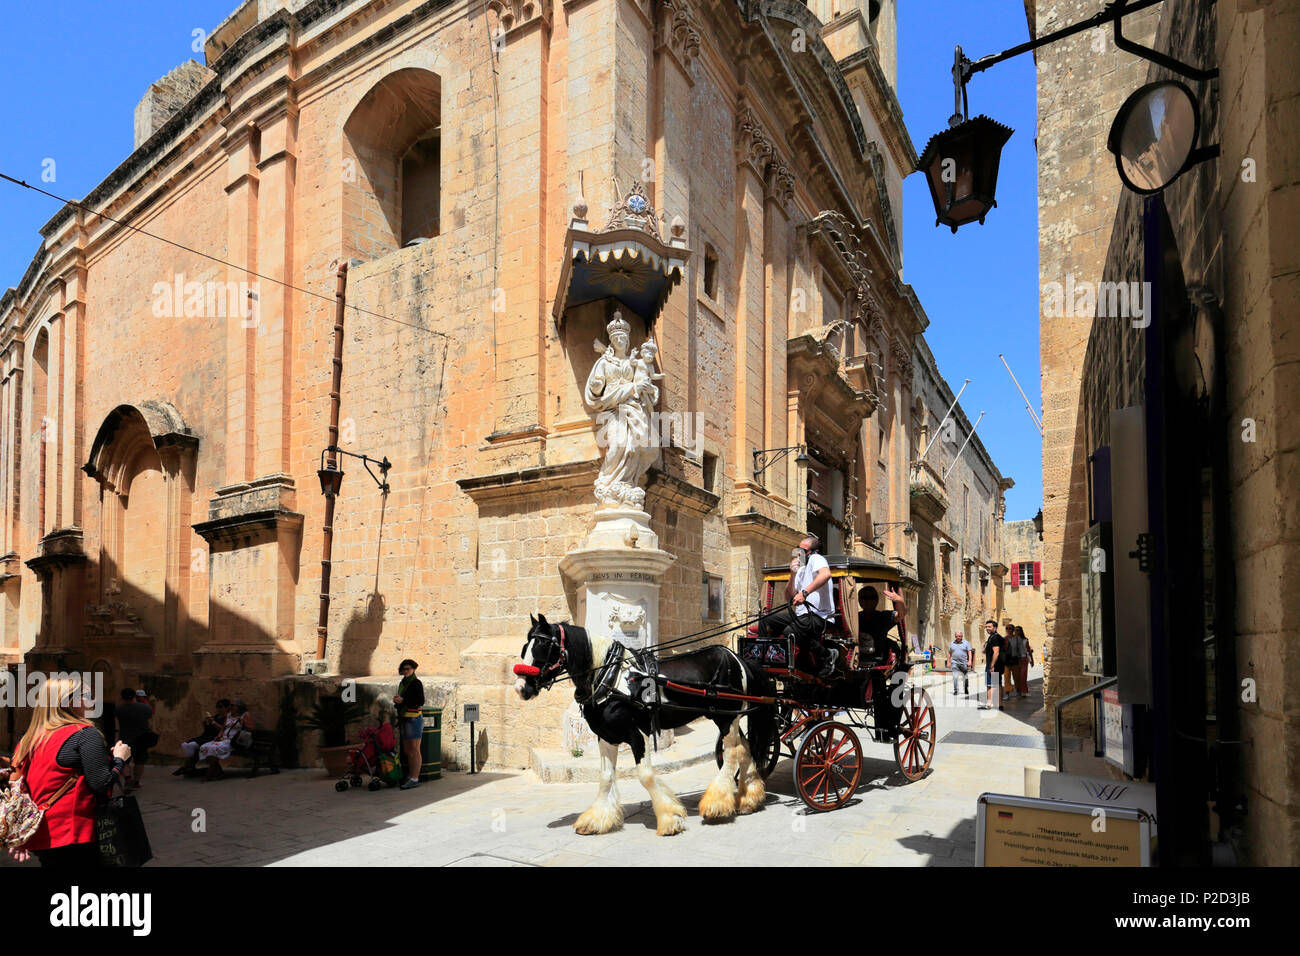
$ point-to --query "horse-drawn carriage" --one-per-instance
(817, 716)
(627, 696)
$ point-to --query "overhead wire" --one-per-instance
(207, 255)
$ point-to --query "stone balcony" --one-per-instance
(928, 498)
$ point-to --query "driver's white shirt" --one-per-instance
(819, 600)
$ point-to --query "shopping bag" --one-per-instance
(120, 832)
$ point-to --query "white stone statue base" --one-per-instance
(619, 569)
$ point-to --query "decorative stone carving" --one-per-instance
(679, 31)
(622, 389)
(512, 14)
(753, 144)
(627, 622)
(846, 241)
(634, 211)
(902, 357)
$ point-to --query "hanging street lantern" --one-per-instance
(961, 167)
(331, 477)
(961, 163)
(1153, 138)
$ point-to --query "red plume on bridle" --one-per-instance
(528, 670)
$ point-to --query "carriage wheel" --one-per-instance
(914, 741)
(828, 766)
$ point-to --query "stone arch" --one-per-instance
(392, 156)
(143, 458)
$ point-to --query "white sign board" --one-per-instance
(1099, 791)
(471, 713)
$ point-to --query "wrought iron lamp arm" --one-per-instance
(367, 461)
(762, 463)
(1113, 13)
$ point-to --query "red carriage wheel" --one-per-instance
(828, 766)
(914, 740)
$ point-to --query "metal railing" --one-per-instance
(1077, 695)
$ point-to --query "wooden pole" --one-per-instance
(336, 388)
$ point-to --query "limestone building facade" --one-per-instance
(1176, 434)
(501, 177)
(958, 506)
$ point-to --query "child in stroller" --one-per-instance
(376, 758)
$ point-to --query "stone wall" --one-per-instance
(1233, 225)
(1082, 81)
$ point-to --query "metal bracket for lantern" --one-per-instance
(961, 162)
(331, 475)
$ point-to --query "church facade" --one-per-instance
(498, 179)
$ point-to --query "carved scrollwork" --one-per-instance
(512, 14)
(679, 30)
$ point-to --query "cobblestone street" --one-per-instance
(497, 818)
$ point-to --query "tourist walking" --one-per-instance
(1024, 658)
(133, 716)
(959, 661)
(67, 767)
(1008, 662)
(409, 701)
(993, 666)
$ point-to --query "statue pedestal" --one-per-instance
(619, 568)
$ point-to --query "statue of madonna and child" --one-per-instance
(622, 390)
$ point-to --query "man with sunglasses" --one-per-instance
(809, 592)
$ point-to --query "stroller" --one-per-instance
(376, 758)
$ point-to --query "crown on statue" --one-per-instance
(618, 324)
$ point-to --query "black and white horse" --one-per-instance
(623, 717)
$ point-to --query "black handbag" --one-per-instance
(120, 832)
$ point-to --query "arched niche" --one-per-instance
(392, 156)
(143, 459)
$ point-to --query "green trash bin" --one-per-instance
(431, 744)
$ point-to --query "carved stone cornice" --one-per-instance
(514, 15)
(902, 358)
(844, 242)
(678, 30)
(753, 144)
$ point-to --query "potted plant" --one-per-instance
(331, 717)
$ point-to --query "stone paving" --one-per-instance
(500, 818)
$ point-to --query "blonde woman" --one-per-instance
(62, 745)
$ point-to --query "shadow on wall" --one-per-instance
(176, 680)
(361, 635)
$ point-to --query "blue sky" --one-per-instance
(980, 286)
(72, 77)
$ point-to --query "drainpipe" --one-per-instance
(332, 460)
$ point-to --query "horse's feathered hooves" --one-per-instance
(718, 802)
(669, 824)
(754, 797)
(602, 818)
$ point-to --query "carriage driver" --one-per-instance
(809, 591)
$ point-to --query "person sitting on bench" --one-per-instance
(238, 722)
(809, 593)
(212, 725)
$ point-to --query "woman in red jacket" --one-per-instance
(62, 745)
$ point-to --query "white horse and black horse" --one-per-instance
(630, 705)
